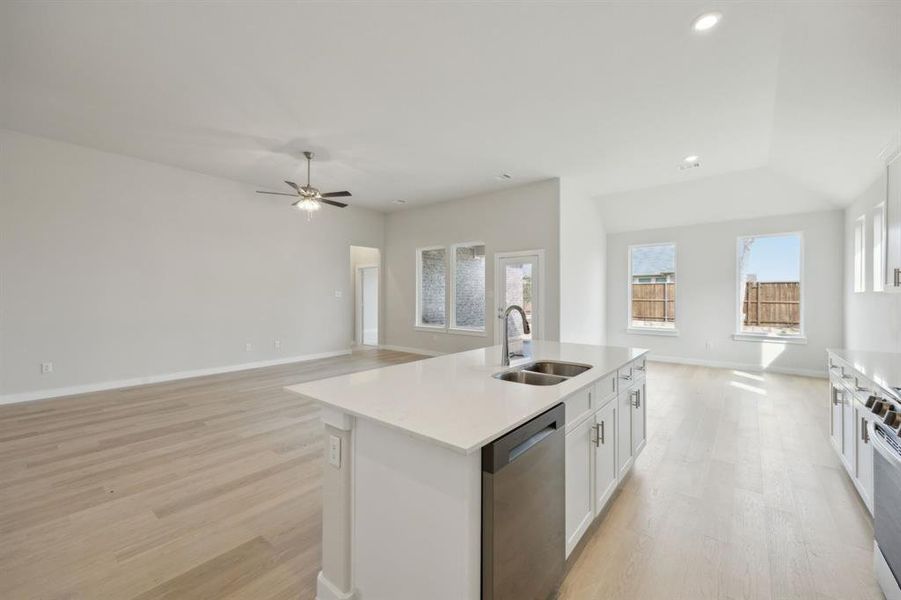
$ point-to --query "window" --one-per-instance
(431, 271)
(652, 287)
(878, 248)
(454, 303)
(468, 268)
(769, 285)
(860, 253)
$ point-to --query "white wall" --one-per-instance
(707, 291)
(872, 319)
(518, 218)
(583, 266)
(746, 194)
(116, 269)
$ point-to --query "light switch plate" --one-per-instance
(334, 451)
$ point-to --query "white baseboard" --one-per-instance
(717, 364)
(326, 590)
(124, 383)
(410, 350)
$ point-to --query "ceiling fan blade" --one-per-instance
(336, 195)
(292, 184)
(333, 203)
(277, 193)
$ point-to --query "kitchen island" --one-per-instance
(402, 475)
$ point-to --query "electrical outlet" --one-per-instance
(334, 451)
(46, 367)
(277, 344)
(339, 294)
(248, 347)
(709, 345)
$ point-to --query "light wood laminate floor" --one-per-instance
(210, 488)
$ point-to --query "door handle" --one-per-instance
(594, 436)
(601, 431)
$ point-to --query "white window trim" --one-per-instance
(653, 331)
(452, 293)
(417, 318)
(879, 257)
(449, 292)
(859, 255)
(746, 336)
(630, 328)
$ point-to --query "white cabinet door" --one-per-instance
(604, 438)
(835, 421)
(893, 227)
(849, 431)
(639, 418)
(864, 453)
(579, 465)
(624, 431)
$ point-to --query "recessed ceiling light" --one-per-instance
(690, 162)
(399, 201)
(706, 22)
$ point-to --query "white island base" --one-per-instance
(402, 479)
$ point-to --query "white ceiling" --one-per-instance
(423, 102)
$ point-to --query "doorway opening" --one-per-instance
(365, 271)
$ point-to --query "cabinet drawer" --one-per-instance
(606, 389)
(578, 405)
(625, 376)
(639, 367)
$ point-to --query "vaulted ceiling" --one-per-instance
(422, 102)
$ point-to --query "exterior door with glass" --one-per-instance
(518, 281)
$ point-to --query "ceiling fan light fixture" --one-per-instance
(308, 205)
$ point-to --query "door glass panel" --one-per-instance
(518, 290)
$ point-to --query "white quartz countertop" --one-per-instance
(453, 400)
(882, 368)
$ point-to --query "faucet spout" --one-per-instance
(505, 346)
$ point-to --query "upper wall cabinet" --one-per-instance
(893, 226)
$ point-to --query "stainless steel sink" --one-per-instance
(542, 372)
(563, 369)
(529, 378)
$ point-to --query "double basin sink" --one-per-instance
(542, 372)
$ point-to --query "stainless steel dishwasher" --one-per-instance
(523, 511)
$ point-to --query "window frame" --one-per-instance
(451, 310)
(878, 255)
(450, 292)
(638, 329)
(751, 336)
(859, 255)
(417, 318)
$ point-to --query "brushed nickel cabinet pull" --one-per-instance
(602, 433)
(897, 277)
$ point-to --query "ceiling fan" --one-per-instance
(309, 198)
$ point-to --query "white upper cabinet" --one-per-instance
(893, 226)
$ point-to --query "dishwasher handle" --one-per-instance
(505, 450)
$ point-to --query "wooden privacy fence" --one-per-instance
(772, 303)
(654, 302)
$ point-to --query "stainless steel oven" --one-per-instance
(887, 509)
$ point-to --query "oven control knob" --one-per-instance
(892, 419)
(878, 407)
(871, 401)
